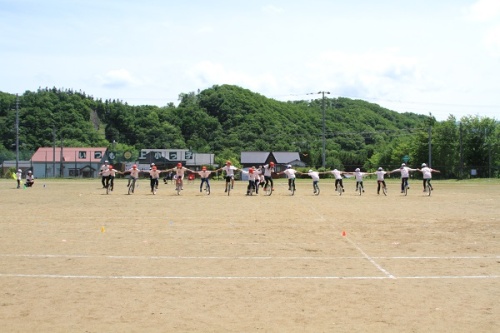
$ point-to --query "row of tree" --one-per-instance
(227, 120)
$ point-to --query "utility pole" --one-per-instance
(17, 132)
(54, 152)
(430, 145)
(324, 126)
(323, 151)
(461, 153)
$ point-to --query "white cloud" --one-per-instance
(117, 78)
(484, 10)
(271, 9)
(492, 41)
(207, 74)
(365, 74)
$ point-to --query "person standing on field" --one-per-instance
(104, 167)
(205, 177)
(380, 178)
(315, 178)
(405, 174)
(105, 174)
(338, 178)
(19, 177)
(427, 175)
(179, 173)
(252, 176)
(268, 175)
(358, 175)
(229, 169)
(290, 174)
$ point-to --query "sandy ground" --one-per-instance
(73, 259)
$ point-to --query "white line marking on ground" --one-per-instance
(240, 257)
(370, 259)
(151, 277)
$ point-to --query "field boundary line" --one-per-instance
(240, 257)
(158, 277)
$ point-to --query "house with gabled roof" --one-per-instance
(281, 159)
(68, 161)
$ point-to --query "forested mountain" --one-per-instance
(228, 119)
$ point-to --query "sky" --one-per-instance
(427, 56)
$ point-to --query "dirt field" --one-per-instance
(73, 259)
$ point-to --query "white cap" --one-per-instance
(403, 165)
(424, 165)
(310, 171)
(380, 169)
(357, 170)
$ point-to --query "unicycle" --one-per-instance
(339, 189)
(178, 186)
(131, 187)
(428, 188)
(316, 189)
(268, 189)
(292, 186)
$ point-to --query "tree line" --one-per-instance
(227, 119)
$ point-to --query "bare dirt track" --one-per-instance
(73, 259)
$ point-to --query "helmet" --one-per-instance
(134, 166)
(403, 165)
(424, 165)
(357, 170)
(380, 169)
(310, 171)
(203, 168)
(179, 165)
(29, 171)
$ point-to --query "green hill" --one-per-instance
(227, 119)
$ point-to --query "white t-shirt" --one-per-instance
(314, 175)
(380, 175)
(405, 171)
(180, 171)
(337, 174)
(251, 175)
(426, 172)
(134, 173)
(229, 170)
(290, 173)
(155, 174)
(19, 175)
(106, 172)
(359, 175)
(268, 170)
(205, 173)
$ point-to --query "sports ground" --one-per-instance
(73, 259)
